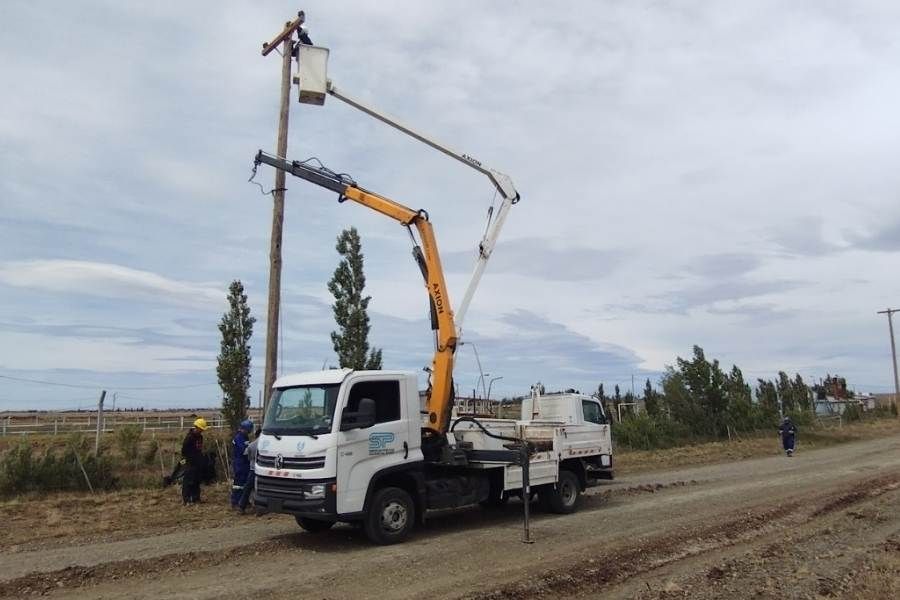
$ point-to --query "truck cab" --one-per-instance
(327, 434)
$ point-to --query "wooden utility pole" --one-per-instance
(890, 313)
(99, 425)
(285, 38)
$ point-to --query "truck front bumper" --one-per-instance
(311, 498)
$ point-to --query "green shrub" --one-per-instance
(78, 442)
(21, 471)
(802, 418)
(852, 413)
(128, 439)
(152, 450)
(15, 468)
(643, 432)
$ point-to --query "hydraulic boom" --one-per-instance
(440, 391)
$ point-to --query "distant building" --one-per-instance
(831, 396)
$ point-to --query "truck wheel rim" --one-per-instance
(567, 491)
(393, 517)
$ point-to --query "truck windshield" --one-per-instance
(302, 410)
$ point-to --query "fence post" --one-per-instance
(55, 426)
(99, 426)
(182, 422)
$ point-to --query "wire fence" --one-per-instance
(88, 424)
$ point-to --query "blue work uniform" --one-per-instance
(251, 478)
(788, 432)
(240, 464)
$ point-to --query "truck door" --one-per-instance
(595, 417)
(364, 452)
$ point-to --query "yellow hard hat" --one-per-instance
(201, 424)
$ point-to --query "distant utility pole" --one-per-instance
(890, 313)
(285, 38)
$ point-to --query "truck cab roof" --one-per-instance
(328, 376)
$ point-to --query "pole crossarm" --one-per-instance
(289, 29)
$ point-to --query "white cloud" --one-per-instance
(35, 352)
(108, 281)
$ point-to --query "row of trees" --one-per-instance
(350, 341)
(700, 398)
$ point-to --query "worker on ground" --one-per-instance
(240, 464)
(192, 453)
(251, 476)
(788, 432)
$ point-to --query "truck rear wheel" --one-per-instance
(314, 525)
(563, 497)
(391, 516)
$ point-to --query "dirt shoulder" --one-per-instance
(743, 447)
(686, 532)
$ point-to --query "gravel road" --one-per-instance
(824, 523)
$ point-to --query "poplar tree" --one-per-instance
(351, 341)
(651, 400)
(233, 367)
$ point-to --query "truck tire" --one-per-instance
(314, 525)
(563, 497)
(390, 517)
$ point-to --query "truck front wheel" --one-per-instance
(563, 497)
(391, 516)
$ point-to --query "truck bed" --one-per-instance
(554, 442)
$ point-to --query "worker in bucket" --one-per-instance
(788, 432)
(251, 476)
(240, 463)
(192, 454)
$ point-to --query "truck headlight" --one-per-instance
(316, 491)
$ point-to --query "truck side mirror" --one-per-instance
(363, 417)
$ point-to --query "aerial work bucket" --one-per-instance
(312, 73)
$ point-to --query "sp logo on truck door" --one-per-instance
(379, 443)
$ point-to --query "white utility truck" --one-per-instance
(347, 446)
(355, 446)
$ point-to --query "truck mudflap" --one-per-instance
(311, 498)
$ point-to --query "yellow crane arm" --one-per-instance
(439, 399)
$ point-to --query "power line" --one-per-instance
(38, 381)
(98, 386)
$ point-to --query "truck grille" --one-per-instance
(280, 487)
(311, 462)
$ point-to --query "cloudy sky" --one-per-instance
(720, 174)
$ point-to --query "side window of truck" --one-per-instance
(592, 412)
(386, 395)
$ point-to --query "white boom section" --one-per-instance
(501, 181)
